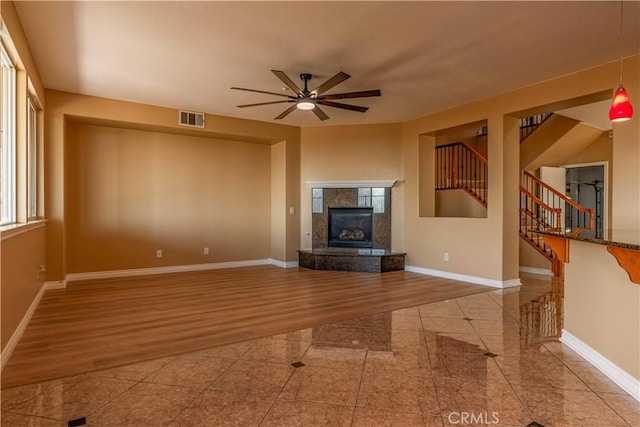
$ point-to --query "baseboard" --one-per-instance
(283, 264)
(534, 270)
(17, 334)
(72, 277)
(626, 381)
(465, 278)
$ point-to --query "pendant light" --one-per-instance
(621, 109)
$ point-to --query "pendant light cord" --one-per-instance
(620, 40)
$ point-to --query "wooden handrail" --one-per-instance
(533, 195)
(559, 194)
(537, 201)
(454, 144)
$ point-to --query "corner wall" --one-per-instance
(352, 153)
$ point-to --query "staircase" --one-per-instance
(460, 167)
(543, 208)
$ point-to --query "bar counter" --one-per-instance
(624, 245)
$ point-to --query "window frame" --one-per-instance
(8, 151)
(32, 160)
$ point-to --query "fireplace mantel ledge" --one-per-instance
(351, 184)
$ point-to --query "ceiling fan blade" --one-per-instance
(361, 94)
(263, 91)
(263, 103)
(333, 81)
(343, 106)
(321, 114)
(286, 80)
(286, 112)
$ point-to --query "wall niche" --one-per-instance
(454, 172)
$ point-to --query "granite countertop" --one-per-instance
(627, 239)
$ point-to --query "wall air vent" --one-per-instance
(191, 118)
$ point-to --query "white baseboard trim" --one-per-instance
(72, 277)
(534, 270)
(17, 334)
(283, 264)
(465, 278)
(59, 284)
(625, 380)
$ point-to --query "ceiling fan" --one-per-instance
(306, 99)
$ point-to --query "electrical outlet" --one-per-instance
(159, 253)
(205, 251)
(446, 256)
(40, 271)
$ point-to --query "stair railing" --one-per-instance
(459, 166)
(575, 218)
(536, 215)
(531, 123)
(543, 208)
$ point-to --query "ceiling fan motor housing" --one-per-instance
(306, 77)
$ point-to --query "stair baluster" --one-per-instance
(459, 166)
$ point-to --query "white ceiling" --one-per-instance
(423, 56)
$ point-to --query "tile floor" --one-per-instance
(491, 358)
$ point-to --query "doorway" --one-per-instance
(586, 185)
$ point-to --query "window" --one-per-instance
(364, 196)
(316, 200)
(32, 153)
(372, 197)
(8, 151)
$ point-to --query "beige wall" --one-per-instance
(130, 192)
(602, 306)
(218, 156)
(22, 254)
(458, 203)
(346, 153)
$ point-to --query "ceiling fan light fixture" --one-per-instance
(305, 104)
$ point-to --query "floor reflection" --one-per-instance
(490, 358)
(542, 316)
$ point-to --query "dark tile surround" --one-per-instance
(351, 259)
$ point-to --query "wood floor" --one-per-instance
(101, 324)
